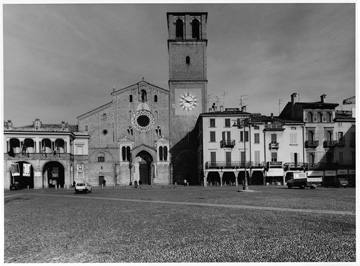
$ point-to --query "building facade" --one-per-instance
(132, 128)
(233, 143)
(44, 155)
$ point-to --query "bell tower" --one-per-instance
(187, 46)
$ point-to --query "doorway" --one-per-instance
(145, 168)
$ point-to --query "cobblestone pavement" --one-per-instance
(180, 224)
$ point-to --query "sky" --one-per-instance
(63, 60)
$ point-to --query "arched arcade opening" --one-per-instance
(53, 175)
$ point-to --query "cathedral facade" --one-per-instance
(145, 133)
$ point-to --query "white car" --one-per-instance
(83, 187)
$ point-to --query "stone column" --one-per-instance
(221, 173)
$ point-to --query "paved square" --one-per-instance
(180, 224)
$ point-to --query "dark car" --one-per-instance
(15, 186)
(336, 182)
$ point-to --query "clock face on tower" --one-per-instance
(188, 101)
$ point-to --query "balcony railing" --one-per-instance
(227, 143)
(311, 143)
(329, 143)
(226, 165)
(274, 145)
(291, 165)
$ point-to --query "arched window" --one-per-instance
(160, 153)
(86, 128)
(123, 153)
(310, 136)
(128, 153)
(328, 117)
(319, 117)
(179, 28)
(143, 96)
(155, 98)
(188, 60)
(104, 117)
(310, 117)
(130, 98)
(165, 153)
(329, 135)
(195, 29)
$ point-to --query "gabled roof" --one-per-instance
(138, 85)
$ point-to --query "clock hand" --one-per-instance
(186, 100)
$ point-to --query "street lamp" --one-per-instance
(244, 122)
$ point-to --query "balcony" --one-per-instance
(226, 165)
(311, 143)
(273, 145)
(228, 143)
(329, 143)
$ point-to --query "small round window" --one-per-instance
(105, 131)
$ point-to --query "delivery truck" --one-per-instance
(298, 179)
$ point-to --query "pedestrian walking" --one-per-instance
(185, 182)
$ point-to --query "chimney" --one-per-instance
(293, 98)
(272, 116)
(322, 97)
(221, 108)
(243, 108)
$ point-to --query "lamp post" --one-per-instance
(244, 122)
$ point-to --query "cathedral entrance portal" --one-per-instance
(145, 167)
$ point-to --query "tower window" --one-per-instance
(179, 28)
(188, 60)
(130, 98)
(195, 29)
(155, 98)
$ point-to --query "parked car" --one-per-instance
(83, 187)
(15, 186)
(336, 182)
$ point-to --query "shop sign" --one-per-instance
(330, 173)
(275, 164)
(315, 173)
(342, 171)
